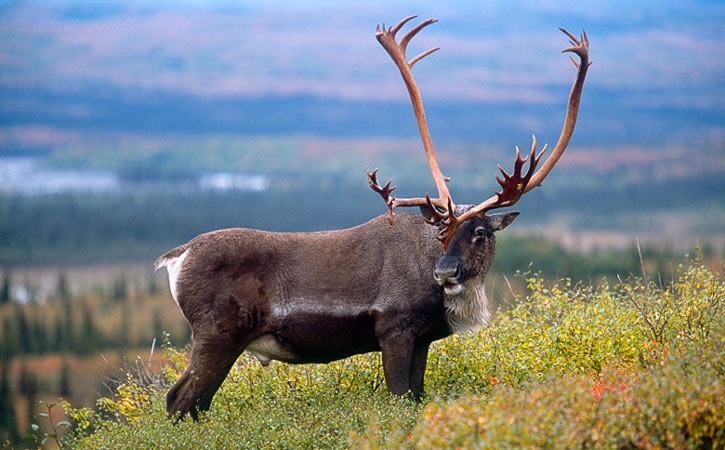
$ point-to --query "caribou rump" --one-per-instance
(387, 285)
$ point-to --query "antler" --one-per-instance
(513, 186)
(396, 50)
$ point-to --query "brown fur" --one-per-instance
(319, 297)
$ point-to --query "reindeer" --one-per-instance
(387, 285)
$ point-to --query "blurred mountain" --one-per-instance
(315, 68)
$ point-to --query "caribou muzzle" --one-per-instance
(451, 274)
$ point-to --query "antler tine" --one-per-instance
(436, 216)
(512, 188)
(396, 28)
(396, 50)
(422, 55)
(516, 177)
(403, 44)
(384, 191)
(446, 220)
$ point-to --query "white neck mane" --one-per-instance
(468, 311)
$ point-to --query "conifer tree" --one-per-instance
(64, 326)
(9, 342)
(8, 422)
(5, 288)
(89, 338)
(23, 330)
(29, 389)
(64, 388)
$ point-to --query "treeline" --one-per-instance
(68, 327)
(116, 316)
(83, 324)
(131, 226)
(32, 330)
(554, 261)
(138, 225)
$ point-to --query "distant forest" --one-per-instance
(159, 202)
(140, 225)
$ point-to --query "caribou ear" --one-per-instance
(499, 221)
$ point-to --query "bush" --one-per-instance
(282, 406)
(557, 329)
(668, 406)
(634, 365)
(637, 367)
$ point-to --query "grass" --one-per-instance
(631, 364)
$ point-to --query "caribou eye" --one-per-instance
(479, 232)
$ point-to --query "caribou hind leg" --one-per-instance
(193, 392)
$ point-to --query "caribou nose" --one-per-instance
(451, 277)
(447, 273)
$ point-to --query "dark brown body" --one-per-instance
(319, 297)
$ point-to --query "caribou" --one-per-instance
(394, 284)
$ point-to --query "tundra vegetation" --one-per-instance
(624, 363)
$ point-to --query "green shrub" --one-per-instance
(679, 403)
(557, 329)
(282, 406)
